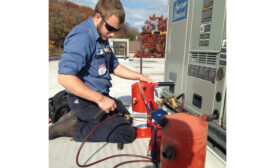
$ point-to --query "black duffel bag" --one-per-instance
(58, 106)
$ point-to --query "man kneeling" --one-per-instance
(84, 71)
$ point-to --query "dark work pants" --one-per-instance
(114, 130)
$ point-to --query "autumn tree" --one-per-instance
(63, 16)
(153, 37)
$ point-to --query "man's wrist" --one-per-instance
(98, 98)
(101, 97)
(139, 76)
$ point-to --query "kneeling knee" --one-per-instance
(132, 135)
(124, 134)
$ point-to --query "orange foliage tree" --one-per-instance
(63, 16)
(153, 37)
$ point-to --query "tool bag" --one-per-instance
(58, 106)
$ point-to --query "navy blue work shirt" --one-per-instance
(88, 58)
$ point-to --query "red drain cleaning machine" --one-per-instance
(143, 102)
(177, 140)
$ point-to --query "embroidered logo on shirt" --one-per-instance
(107, 50)
(99, 51)
(76, 101)
(101, 69)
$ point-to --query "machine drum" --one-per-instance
(183, 141)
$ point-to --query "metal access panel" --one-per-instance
(120, 47)
(177, 43)
(196, 54)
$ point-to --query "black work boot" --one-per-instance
(64, 128)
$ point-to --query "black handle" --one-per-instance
(166, 83)
(98, 114)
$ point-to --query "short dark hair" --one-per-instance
(107, 8)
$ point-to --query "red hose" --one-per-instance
(131, 161)
(182, 102)
(148, 92)
(153, 137)
(82, 144)
(109, 157)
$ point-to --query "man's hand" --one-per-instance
(126, 73)
(78, 88)
(107, 104)
(145, 79)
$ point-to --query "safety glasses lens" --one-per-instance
(108, 27)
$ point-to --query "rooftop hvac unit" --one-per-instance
(120, 47)
(196, 56)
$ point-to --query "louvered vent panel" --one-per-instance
(204, 58)
(211, 58)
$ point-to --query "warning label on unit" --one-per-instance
(206, 19)
(179, 10)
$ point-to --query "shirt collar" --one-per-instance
(94, 30)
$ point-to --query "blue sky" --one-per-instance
(137, 11)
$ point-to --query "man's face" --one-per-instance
(110, 23)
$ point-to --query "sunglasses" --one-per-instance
(109, 27)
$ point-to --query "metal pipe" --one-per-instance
(140, 54)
